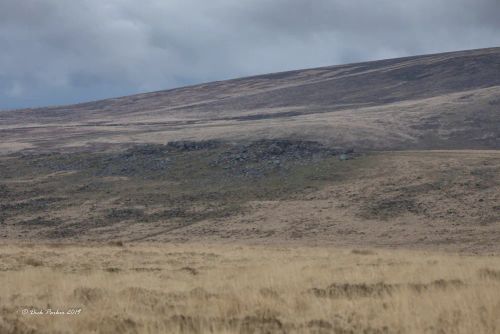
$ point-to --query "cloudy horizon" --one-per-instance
(56, 52)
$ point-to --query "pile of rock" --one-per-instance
(255, 158)
(188, 145)
(139, 161)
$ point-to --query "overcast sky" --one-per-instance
(58, 52)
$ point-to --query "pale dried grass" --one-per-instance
(242, 289)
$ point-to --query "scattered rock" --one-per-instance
(256, 158)
(188, 145)
(41, 222)
(119, 214)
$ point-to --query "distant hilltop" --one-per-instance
(440, 101)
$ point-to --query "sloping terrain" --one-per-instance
(445, 101)
(260, 205)
(266, 192)
(337, 155)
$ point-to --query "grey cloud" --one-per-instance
(55, 52)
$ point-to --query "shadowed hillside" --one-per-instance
(446, 101)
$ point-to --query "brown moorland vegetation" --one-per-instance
(439, 101)
(303, 195)
(361, 198)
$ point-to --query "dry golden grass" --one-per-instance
(152, 288)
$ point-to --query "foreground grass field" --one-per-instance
(153, 288)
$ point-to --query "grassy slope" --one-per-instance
(443, 101)
(441, 199)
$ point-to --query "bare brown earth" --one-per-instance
(443, 101)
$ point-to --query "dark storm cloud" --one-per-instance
(55, 52)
